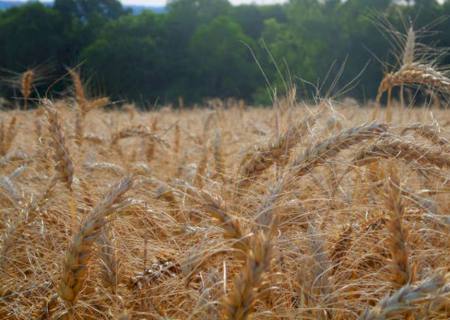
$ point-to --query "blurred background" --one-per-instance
(157, 52)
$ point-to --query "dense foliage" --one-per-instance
(208, 48)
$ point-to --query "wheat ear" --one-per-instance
(110, 264)
(406, 299)
(8, 135)
(78, 255)
(3, 150)
(166, 193)
(201, 168)
(123, 316)
(341, 247)
(407, 151)
(216, 207)
(137, 131)
(176, 139)
(80, 95)
(255, 163)
(26, 83)
(97, 103)
(429, 132)
(79, 129)
(397, 234)
(414, 74)
(410, 47)
(219, 159)
(64, 165)
(150, 144)
(266, 215)
(330, 147)
(240, 303)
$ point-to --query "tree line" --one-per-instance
(199, 49)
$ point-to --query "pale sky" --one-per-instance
(163, 2)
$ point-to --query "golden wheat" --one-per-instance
(321, 236)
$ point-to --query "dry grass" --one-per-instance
(335, 222)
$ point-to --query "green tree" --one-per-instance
(251, 18)
(198, 48)
(223, 63)
(202, 10)
(84, 20)
(86, 10)
(128, 57)
(303, 45)
(183, 19)
(29, 35)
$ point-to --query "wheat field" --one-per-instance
(325, 211)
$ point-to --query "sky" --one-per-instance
(163, 2)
